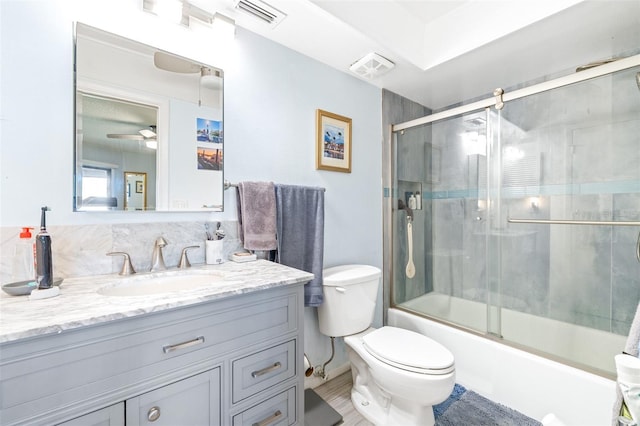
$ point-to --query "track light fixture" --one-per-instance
(185, 13)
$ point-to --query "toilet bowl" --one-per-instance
(398, 375)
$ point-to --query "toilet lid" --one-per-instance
(409, 350)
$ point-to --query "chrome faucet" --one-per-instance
(157, 261)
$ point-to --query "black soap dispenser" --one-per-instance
(44, 263)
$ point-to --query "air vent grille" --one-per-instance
(261, 10)
(371, 65)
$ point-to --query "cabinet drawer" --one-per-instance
(263, 369)
(278, 410)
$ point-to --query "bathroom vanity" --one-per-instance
(230, 352)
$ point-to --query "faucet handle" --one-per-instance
(184, 260)
(127, 267)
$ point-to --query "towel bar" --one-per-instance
(228, 185)
(575, 222)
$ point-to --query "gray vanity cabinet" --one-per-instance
(232, 361)
(192, 401)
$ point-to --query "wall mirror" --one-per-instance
(152, 112)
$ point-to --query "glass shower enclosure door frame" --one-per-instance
(489, 216)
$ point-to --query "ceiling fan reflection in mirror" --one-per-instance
(210, 78)
(147, 135)
(142, 134)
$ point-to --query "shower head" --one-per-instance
(638, 79)
(403, 206)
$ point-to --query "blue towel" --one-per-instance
(300, 234)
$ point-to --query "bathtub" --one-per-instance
(521, 380)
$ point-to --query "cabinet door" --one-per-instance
(189, 402)
(110, 416)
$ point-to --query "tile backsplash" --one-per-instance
(80, 250)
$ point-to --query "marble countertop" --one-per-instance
(80, 304)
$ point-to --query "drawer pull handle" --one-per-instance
(153, 414)
(266, 370)
(275, 416)
(170, 348)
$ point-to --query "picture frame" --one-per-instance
(333, 142)
(139, 187)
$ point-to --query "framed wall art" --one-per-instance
(333, 142)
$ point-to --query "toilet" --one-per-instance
(398, 375)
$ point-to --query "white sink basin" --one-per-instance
(144, 286)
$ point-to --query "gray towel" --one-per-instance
(257, 215)
(630, 348)
(300, 229)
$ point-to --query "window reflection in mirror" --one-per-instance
(140, 108)
(116, 135)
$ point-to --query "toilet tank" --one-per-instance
(350, 294)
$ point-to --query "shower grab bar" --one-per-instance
(576, 222)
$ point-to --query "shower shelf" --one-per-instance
(575, 222)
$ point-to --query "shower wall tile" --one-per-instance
(616, 160)
(624, 283)
(397, 109)
(583, 295)
(453, 159)
(524, 252)
(448, 246)
(411, 156)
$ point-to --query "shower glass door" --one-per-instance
(526, 220)
(443, 167)
(571, 165)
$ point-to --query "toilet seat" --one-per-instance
(409, 351)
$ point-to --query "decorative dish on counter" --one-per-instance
(24, 288)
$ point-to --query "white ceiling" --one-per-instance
(448, 51)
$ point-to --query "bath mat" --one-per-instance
(465, 407)
(317, 412)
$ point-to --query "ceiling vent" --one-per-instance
(261, 10)
(371, 65)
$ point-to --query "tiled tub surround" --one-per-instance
(79, 304)
(80, 250)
